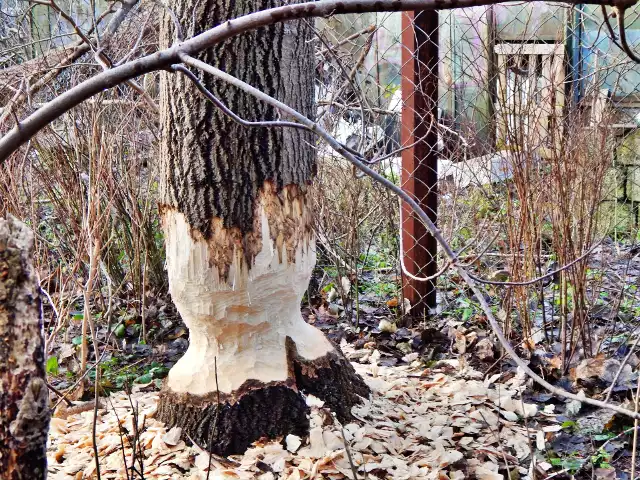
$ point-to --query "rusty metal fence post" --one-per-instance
(420, 160)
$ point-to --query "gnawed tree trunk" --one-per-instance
(24, 399)
(240, 247)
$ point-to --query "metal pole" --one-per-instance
(420, 162)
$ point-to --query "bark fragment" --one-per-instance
(24, 400)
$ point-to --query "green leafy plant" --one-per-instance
(117, 374)
(601, 458)
(571, 463)
(52, 366)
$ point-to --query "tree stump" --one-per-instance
(24, 400)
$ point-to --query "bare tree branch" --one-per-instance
(607, 22)
(623, 35)
(52, 4)
(174, 18)
(77, 51)
(27, 128)
(226, 110)
(369, 29)
(236, 118)
(542, 277)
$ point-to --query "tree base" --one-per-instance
(227, 424)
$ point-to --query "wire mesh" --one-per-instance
(534, 105)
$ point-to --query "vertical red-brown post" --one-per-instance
(420, 162)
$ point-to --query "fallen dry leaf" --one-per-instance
(440, 423)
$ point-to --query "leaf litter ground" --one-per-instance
(445, 422)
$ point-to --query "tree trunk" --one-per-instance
(24, 400)
(240, 245)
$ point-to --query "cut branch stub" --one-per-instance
(24, 399)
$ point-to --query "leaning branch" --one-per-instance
(226, 110)
(52, 110)
(542, 277)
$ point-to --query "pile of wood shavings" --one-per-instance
(451, 425)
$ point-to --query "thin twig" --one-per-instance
(96, 385)
(623, 35)
(122, 434)
(227, 111)
(496, 434)
(89, 368)
(538, 279)
(357, 91)
(612, 34)
(174, 19)
(349, 456)
(67, 17)
(353, 36)
(620, 368)
(621, 434)
(217, 420)
(60, 395)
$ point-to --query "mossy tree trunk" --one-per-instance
(240, 245)
(24, 399)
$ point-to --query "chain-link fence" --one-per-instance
(514, 125)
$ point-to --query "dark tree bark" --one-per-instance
(24, 399)
(214, 166)
(240, 245)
